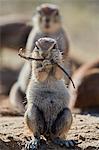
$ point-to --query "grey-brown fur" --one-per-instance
(45, 26)
(55, 31)
(48, 98)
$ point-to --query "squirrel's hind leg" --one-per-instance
(35, 121)
(60, 128)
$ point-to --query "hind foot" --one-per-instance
(33, 144)
(66, 143)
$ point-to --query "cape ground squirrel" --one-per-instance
(47, 111)
(47, 24)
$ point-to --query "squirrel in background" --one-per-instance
(47, 23)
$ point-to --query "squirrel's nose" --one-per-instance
(44, 55)
(47, 20)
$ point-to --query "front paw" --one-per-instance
(36, 144)
(32, 145)
(39, 67)
(47, 64)
(65, 143)
(57, 57)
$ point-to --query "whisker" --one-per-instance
(66, 74)
(21, 54)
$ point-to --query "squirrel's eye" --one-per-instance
(36, 46)
(62, 53)
(54, 47)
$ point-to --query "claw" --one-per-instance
(32, 145)
(70, 143)
(66, 143)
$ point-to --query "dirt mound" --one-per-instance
(14, 134)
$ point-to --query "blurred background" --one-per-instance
(80, 20)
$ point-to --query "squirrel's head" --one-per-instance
(46, 56)
(46, 48)
(49, 18)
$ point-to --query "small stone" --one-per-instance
(81, 138)
(81, 120)
(10, 137)
(97, 127)
(76, 135)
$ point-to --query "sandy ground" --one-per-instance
(14, 134)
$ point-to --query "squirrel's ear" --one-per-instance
(38, 9)
(54, 46)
